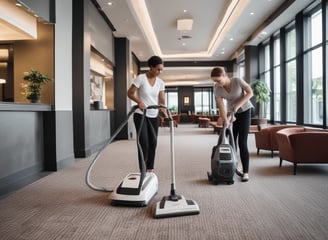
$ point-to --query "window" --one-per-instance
(291, 107)
(241, 66)
(313, 79)
(265, 75)
(171, 100)
(276, 81)
(203, 98)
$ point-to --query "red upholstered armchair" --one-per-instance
(203, 122)
(302, 145)
(165, 122)
(217, 125)
(266, 138)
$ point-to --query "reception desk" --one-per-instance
(23, 143)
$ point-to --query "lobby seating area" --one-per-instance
(203, 122)
(302, 145)
(165, 123)
(265, 137)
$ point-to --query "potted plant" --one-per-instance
(261, 92)
(35, 81)
(173, 109)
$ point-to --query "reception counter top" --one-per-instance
(28, 107)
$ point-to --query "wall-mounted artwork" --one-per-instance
(186, 101)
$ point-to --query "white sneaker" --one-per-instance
(245, 177)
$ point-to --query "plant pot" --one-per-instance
(35, 99)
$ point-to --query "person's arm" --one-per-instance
(221, 106)
(248, 94)
(161, 98)
(161, 102)
(133, 96)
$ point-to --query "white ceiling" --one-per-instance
(220, 30)
(248, 24)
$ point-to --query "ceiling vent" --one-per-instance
(184, 24)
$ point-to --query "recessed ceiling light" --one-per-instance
(231, 39)
(110, 3)
(251, 13)
(185, 11)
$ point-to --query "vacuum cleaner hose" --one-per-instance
(110, 140)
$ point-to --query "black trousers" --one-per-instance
(147, 139)
(240, 132)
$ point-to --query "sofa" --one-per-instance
(302, 145)
(203, 122)
(217, 125)
(265, 138)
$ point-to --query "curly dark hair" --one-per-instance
(154, 61)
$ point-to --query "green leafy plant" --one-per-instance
(261, 92)
(173, 109)
(35, 81)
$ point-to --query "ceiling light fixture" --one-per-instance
(184, 24)
(141, 14)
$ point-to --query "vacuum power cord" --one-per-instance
(110, 140)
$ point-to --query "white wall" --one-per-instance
(63, 55)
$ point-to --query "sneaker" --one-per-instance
(245, 177)
(239, 172)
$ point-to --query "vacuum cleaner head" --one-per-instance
(128, 192)
(173, 206)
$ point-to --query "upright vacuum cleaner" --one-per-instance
(224, 157)
(174, 205)
(136, 189)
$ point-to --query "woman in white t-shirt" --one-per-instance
(237, 94)
(146, 90)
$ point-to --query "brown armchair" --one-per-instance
(217, 125)
(165, 122)
(203, 122)
(266, 138)
(302, 145)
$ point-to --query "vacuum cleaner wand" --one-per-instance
(174, 205)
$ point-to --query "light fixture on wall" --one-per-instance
(184, 24)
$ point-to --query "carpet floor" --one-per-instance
(274, 204)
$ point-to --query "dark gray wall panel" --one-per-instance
(21, 146)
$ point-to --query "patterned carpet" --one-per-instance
(274, 204)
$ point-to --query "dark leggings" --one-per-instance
(240, 131)
(148, 139)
